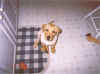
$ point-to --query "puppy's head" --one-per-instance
(50, 31)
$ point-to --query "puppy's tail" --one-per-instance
(51, 22)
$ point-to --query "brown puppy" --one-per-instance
(92, 39)
(48, 36)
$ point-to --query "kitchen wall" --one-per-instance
(74, 54)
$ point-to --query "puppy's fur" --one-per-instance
(92, 39)
(48, 36)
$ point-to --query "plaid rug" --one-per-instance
(32, 57)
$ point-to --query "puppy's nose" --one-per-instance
(48, 37)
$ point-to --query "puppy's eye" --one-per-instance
(53, 32)
(46, 29)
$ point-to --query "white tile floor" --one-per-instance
(74, 54)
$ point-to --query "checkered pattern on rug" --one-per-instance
(32, 57)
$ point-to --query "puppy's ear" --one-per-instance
(60, 30)
(43, 25)
(51, 22)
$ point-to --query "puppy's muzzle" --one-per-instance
(48, 37)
